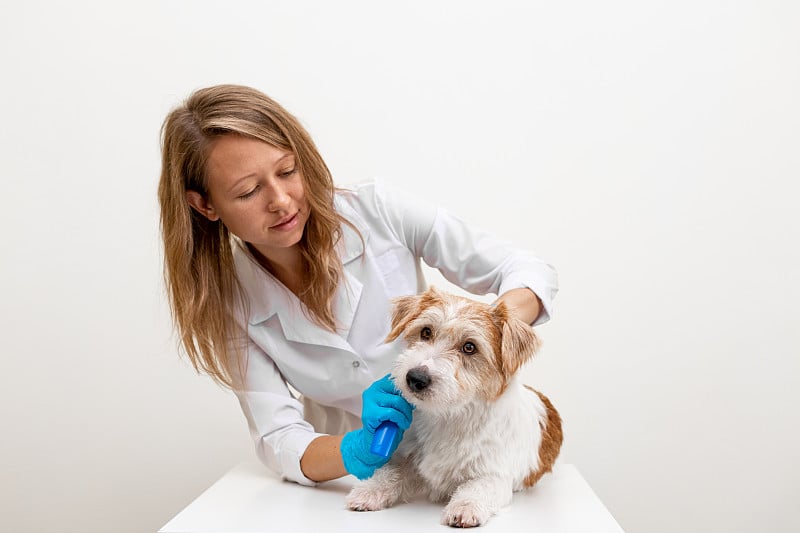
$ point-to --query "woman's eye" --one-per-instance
(287, 173)
(247, 195)
(468, 348)
(425, 333)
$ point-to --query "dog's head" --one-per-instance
(459, 350)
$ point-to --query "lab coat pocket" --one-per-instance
(395, 277)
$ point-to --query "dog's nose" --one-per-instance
(418, 378)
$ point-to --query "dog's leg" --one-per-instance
(475, 501)
(389, 484)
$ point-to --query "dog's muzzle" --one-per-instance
(418, 378)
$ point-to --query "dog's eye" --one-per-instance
(425, 333)
(468, 348)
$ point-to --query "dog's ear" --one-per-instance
(518, 342)
(404, 310)
(407, 308)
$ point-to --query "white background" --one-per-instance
(649, 150)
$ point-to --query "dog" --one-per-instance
(478, 434)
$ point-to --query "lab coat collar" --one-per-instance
(351, 247)
(269, 297)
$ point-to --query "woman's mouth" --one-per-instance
(285, 224)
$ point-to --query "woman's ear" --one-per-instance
(200, 204)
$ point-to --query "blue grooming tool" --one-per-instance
(384, 438)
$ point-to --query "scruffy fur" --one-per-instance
(478, 433)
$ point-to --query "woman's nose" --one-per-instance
(279, 198)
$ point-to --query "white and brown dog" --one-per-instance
(478, 433)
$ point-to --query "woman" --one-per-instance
(281, 285)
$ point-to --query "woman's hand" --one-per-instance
(381, 402)
(523, 303)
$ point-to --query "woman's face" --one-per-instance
(257, 191)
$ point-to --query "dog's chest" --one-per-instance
(450, 452)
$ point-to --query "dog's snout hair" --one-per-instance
(418, 378)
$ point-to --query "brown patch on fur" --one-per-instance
(407, 308)
(517, 344)
(483, 366)
(552, 437)
(493, 373)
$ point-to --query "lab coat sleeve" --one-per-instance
(468, 257)
(274, 417)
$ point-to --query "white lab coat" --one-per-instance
(331, 370)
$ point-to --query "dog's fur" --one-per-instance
(478, 433)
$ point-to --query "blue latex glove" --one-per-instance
(381, 402)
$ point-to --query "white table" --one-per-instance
(249, 499)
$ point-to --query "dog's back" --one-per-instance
(551, 439)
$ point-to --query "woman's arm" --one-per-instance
(332, 456)
(275, 417)
(470, 257)
(322, 460)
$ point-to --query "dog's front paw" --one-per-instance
(464, 514)
(370, 497)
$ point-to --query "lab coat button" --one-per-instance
(356, 364)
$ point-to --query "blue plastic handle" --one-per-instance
(383, 439)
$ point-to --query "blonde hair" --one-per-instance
(203, 291)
